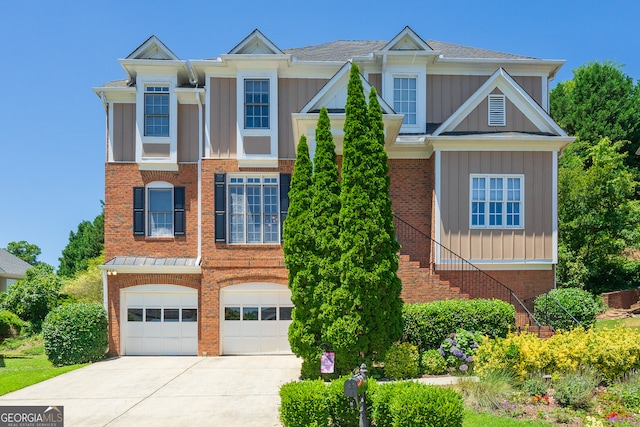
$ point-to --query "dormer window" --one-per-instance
(405, 99)
(156, 111)
(497, 110)
(256, 104)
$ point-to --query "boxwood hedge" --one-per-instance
(427, 324)
(75, 333)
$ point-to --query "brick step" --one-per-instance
(420, 285)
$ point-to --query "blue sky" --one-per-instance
(52, 126)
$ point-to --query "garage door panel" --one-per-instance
(251, 321)
(160, 322)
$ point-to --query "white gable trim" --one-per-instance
(153, 48)
(404, 39)
(256, 43)
(514, 92)
(335, 85)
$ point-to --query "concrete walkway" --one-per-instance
(167, 391)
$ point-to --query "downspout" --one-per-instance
(105, 290)
(199, 258)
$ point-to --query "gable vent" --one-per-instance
(497, 111)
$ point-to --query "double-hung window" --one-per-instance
(160, 212)
(497, 201)
(156, 111)
(405, 99)
(256, 104)
(253, 209)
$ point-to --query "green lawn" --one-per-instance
(629, 322)
(473, 419)
(23, 363)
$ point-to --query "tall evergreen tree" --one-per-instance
(386, 324)
(300, 260)
(360, 304)
(325, 210)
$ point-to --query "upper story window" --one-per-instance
(405, 99)
(159, 210)
(497, 110)
(497, 201)
(156, 111)
(256, 104)
(253, 210)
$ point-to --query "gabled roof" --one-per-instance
(407, 39)
(12, 266)
(255, 43)
(343, 50)
(333, 95)
(515, 93)
(153, 48)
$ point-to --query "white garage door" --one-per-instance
(160, 320)
(255, 319)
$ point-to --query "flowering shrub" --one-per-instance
(611, 352)
(459, 348)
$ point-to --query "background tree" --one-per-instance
(34, 296)
(600, 101)
(86, 285)
(86, 243)
(598, 218)
(299, 258)
(27, 252)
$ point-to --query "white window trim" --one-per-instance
(228, 207)
(496, 117)
(504, 225)
(147, 221)
(419, 73)
(142, 82)
(257, 160)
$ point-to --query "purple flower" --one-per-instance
(441, 351)
(457, 353)
(463, 367)
(452, 335)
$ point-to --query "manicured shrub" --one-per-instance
(557, 307)
(458, 350)
(304, 403)
(10, 325)
(432, 363)
(414, 404)
(75, 333)
(427, 325)
(576, 390)
(402, 361)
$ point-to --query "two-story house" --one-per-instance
(200, 155)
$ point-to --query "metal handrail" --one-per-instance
(470, 279)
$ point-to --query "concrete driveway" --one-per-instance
(167, 391)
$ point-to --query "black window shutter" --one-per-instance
(138, 211)
(285, 183)
(220, 208)
(178, 211)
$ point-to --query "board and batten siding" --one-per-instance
(446, 93)
(293, 95)
(533, 242)
(478, 119)
(188, 133)
(123, 141)
(223, 121)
